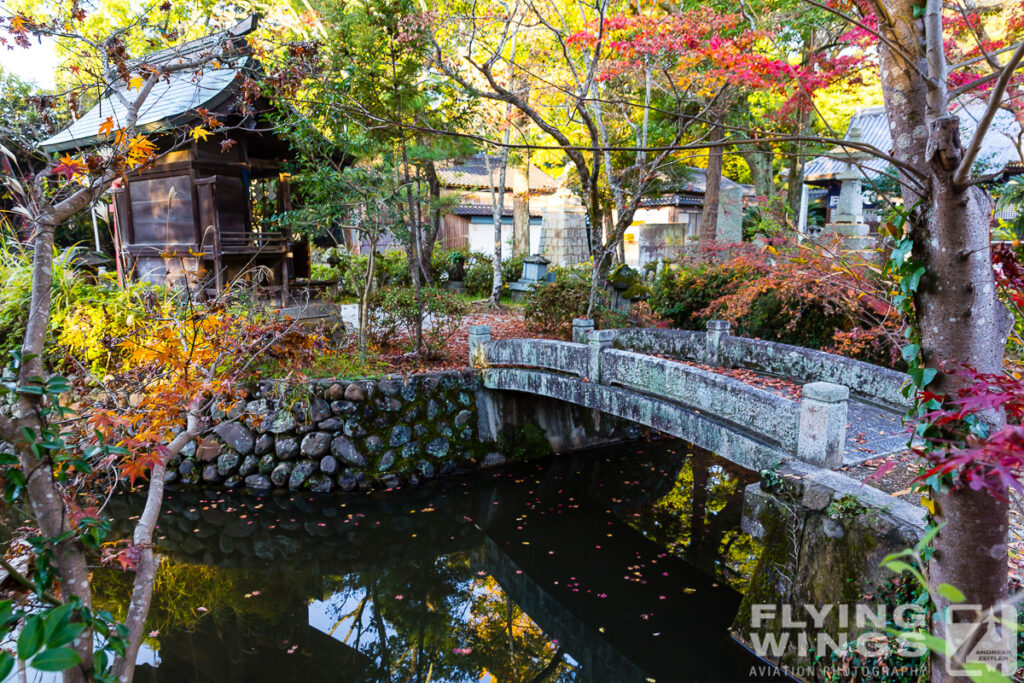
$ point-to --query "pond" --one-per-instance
(621, 564)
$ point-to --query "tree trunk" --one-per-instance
(961, 319)
(521, 224)
(795, 180)
(713, 186)
(434, 228)
(759, 161)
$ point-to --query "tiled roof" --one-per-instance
(472, 173)
(171, 103)
(997, 150)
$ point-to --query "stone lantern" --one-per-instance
(848, 218)
(535, 271)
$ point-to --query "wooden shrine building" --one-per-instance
(196, 216)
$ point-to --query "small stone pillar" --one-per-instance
(822, 437)
(581, 327)
(598, 340)
(716, 333)
(479, 335)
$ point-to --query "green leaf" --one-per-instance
(950, 592)
(65, 634)
(910, 283)
(31, 637)
(910, 351)
(6, 664)
(898, 566)
(928, 537)
(57, 659)
(928, 376)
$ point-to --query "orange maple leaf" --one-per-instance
(107, 126)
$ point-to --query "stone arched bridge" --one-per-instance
(849, 411)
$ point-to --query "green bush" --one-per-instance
(392, 268)
(682, 294)
(479, 275)
(511, 269)
(89, 314)
(394, 316)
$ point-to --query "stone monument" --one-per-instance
(848, 218)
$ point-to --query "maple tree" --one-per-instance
(46, 466)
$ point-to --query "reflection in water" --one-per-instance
(615, 565)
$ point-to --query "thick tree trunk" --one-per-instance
(961, 319)
(709, 217)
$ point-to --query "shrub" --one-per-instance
(511, 269)
(479, 275)
(551, 306)
(682, 294)
(392, 268)
(803, 298)
(394, 316)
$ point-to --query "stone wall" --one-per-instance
(824, 536)
(339, 435)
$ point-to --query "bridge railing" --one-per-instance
(716, 347)
(769, 415)
(812, 429)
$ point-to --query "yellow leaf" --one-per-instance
(135, 83)
(199, 133)
(928, 503)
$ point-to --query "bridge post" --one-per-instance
(822, 437)
(598, 341)
(479, 335)
(581, 327)
(717, 331)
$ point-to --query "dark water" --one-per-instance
(618, 565)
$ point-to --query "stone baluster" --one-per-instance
(598, 341)
(822, 437)
(717, 332)
(581, 327)
(479, 335)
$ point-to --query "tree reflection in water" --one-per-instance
(561, 570)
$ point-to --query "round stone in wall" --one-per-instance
(258, 481)
(210, 474)
(287, 447)
(267, 464)
(300, 473)
(248, 466)
(329, 464)
(463, 417)
(386, 461)
(320, 483)
(227, 462)
(264, 444)
(280, 422)
(343, 407)
(315, 444)
(354, 430)
(411, 450)
(400, 436)
(281, 473)
(346, 451)
(374, 444)
(426, 468)
(438, 448)
(237, 436)
(354, 392)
